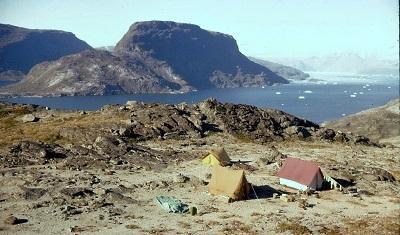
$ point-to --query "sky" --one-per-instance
(262, 28)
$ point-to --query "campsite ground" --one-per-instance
(55, 200)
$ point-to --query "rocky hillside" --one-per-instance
(137, 122)
(284, 71)
(21, 48)
(377, 123)
(93, 72)
(203, 58)
(154, 56)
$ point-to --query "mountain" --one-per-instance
(342, 62)
(153, 56)
(21, 48)
(203, 58)
(378, 123)
(284, 71)
(92, 72)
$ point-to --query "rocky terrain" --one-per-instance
(153, 56)
(284, 71)
(93, 72)
(21, 48)
(380, 123)
(99, 171)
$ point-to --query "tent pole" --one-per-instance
(254, 191)
(261, 207)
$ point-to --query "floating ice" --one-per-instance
(389, 87)
(308, 92)
(343, 114)
(278, 93)
(345, 91)
(369, 89)
(364, 87)
(302, 97)
(353, 96)
(367, 85)
(360, 92)
(283, 104)
(354, 93)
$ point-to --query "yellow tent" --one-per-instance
(230, 183)
(217, 157)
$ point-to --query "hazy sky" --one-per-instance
(262, 28)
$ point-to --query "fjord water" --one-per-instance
(315, 102)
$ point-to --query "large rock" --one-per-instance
(251, 123)
(29, 118)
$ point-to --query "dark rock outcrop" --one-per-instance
(21, 48)
(118, 144)
(182, 121)
(154, 56)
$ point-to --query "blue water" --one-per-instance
(325, 102)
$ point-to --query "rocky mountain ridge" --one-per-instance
(153, 56)
(22, 48)
(343, 63)
(284, 71)
(138, 122)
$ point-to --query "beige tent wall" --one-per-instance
(227, 182)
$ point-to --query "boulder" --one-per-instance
(382, 175)
(29, 118)
(274, 156)
(326, 134)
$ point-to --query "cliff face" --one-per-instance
(21, 48)
(202, 58)
(153, 56)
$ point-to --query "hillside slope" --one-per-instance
(377, 123)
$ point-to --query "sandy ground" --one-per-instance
(114, 201)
